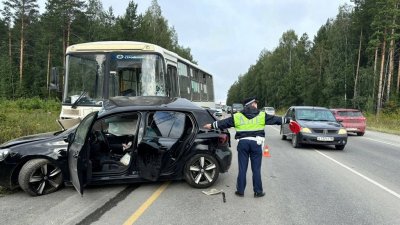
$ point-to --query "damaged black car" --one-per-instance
(132, 139)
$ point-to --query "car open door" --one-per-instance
(79, 167)
(158, 145)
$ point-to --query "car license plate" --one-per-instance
(324, 138)
(351, 129)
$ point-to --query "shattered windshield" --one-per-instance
(136, 74)
(88, 79)
(84, 79)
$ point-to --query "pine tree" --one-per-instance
(22, 10)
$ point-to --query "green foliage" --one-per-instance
(383, 122)
(68, 22)
(322, 72)
(27, 116)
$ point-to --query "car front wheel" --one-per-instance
(295, 141)
(201, 171)
(339, 147)
(40, 177)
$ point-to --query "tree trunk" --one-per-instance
(10, 61)
(21, 56)
(380, 87)
(48, 69)
(64, 48)
(375, 72)
(391, 66)
(357, 72)
(398, 78)
(68, 32)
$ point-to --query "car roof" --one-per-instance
(126, 103)
(308, 107)
(343, 109)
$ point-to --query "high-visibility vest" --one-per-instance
(242, 123)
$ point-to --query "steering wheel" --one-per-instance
(101, 137)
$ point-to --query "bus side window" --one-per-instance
(172, 81)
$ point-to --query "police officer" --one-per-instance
(249, 125)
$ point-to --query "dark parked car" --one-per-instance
(318, 126)
(132, 139)
(352, 119)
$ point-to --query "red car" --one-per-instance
(352, 119)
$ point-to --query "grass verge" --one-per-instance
(387, 123)
(27, 116)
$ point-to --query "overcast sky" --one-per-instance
(227, 36)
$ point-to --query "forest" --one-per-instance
(352, 62)
(31, 43)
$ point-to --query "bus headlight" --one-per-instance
(3, 154)
(305, 130)
(342, 131)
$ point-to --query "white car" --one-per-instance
(218, 112)
(269, 110)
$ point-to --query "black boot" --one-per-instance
(258, 195)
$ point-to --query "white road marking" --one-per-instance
(361, 175)
(384, 142)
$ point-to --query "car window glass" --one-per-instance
(120, 125)
(81, 131)
(350, 113)
(315, 114)
(291, 113)
(165, 124)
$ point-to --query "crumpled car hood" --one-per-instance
(26, 139)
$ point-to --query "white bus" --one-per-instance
(96, 71)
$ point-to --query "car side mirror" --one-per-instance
(287, 119)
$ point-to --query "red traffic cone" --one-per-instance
(266, 151)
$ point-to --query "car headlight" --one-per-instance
(305, 130)
(342, 131)
(4, 153)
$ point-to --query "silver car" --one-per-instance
(269, 110)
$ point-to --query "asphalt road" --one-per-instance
(310, 185)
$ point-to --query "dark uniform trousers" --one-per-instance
(246, 149)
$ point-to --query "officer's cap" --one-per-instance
(250, 100)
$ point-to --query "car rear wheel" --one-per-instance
(40, 177)
(295, 141)
(201, 171)
(339, 147)
(360, 134)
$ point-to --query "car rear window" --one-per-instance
(350, 113)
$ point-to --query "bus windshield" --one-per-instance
(128, 74)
